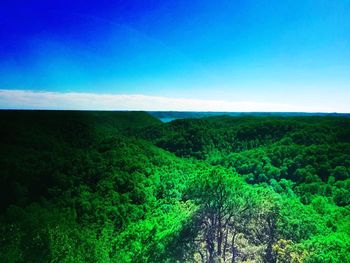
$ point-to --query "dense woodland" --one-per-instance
(124, 187)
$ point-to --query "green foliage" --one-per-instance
(123, 187)
(333, 248)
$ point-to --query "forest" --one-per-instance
(86, 186)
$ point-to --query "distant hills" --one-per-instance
(90, 119)
(167, 116)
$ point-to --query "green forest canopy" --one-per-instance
(124, 187)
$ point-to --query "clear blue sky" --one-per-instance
(274, 52)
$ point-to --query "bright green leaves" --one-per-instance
(334, 248)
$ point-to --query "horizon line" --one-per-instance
(174, 111)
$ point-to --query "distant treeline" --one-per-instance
(171, 115)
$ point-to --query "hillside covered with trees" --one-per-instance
(124, 187)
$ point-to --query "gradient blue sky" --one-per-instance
(263, 52)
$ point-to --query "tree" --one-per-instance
(224, 204)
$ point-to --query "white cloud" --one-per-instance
(26, 99)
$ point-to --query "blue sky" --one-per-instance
(271, 55)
